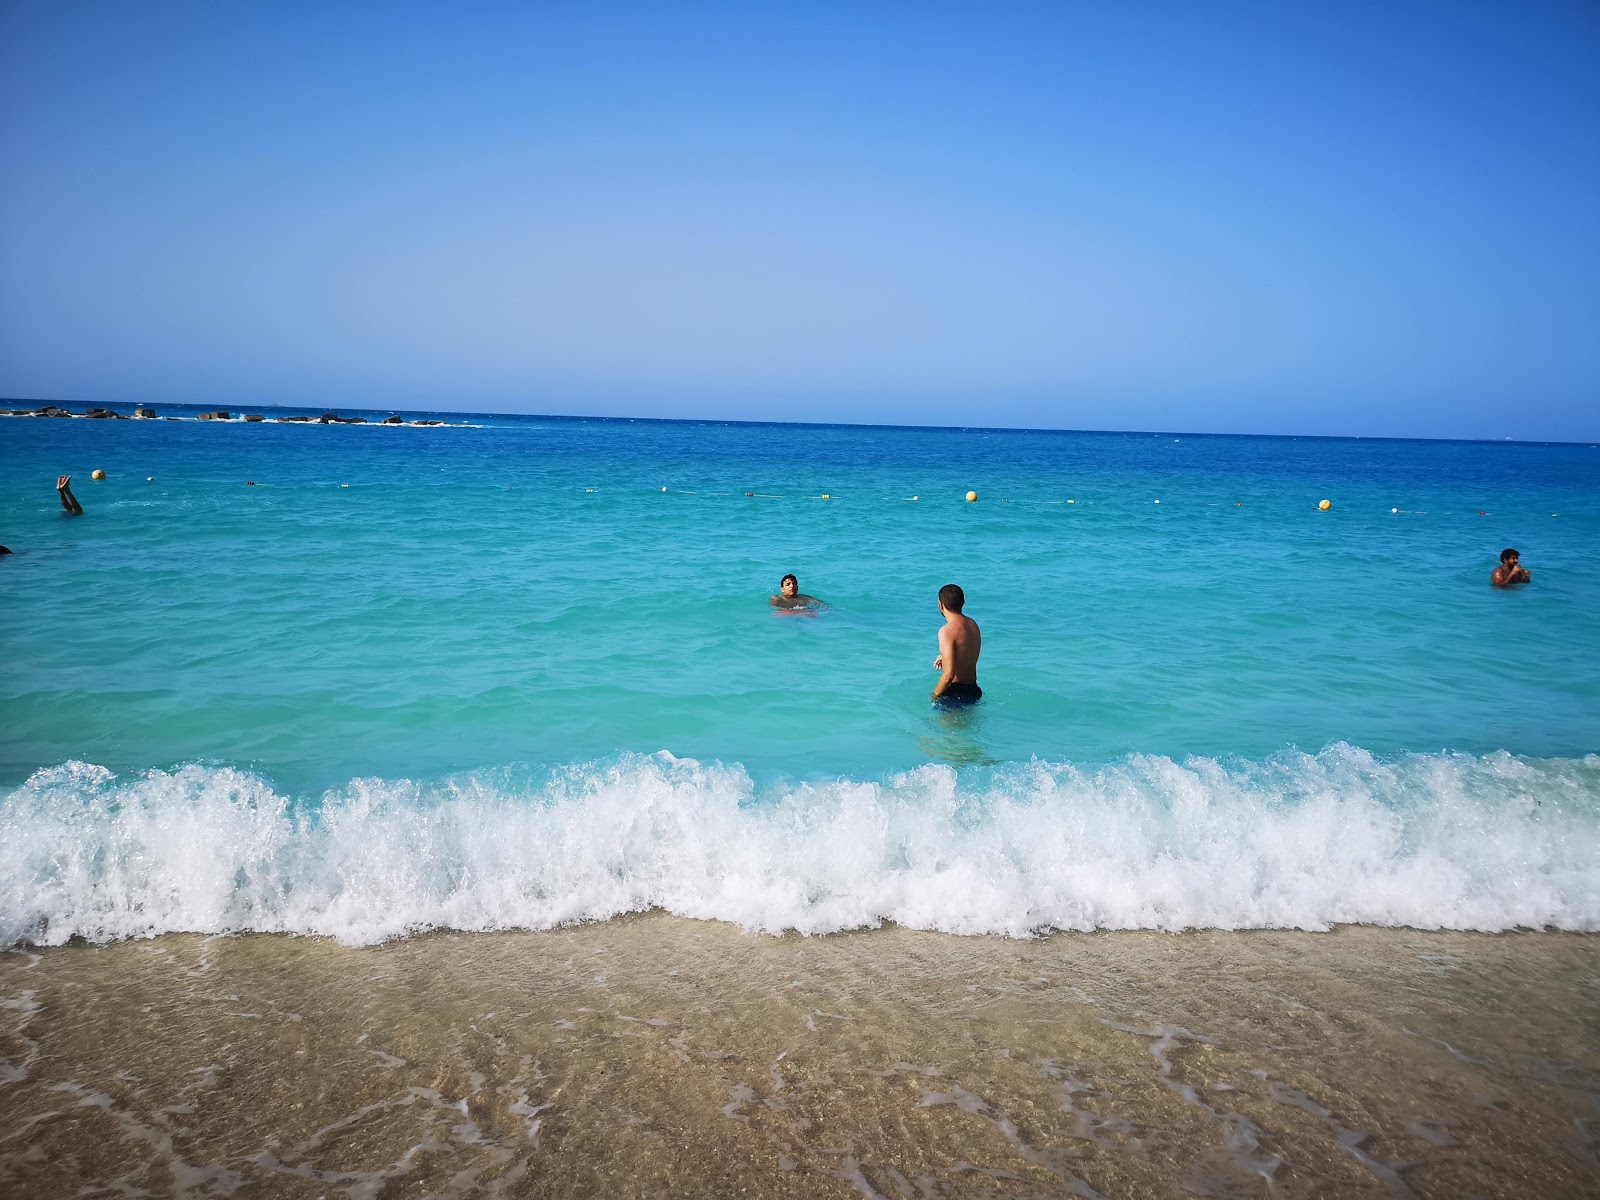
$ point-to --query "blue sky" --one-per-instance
(1344, 218)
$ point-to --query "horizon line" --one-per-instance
(14, 401)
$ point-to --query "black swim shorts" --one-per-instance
(959, 695)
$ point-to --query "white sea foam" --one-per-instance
(1297, 841)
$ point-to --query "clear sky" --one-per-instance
(1339, 218)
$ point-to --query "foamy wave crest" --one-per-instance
(1297, 841)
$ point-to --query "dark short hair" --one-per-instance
(1508, 552)
(786, 579)
(952, 597)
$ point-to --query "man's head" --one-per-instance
(952, 598)
(788, 585)
(1509, 556)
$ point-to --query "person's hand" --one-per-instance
(938, 663)
(62, 481)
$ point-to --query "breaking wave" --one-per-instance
(1294, 841)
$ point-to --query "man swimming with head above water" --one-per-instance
(960, 643)
(1510, 570)
(791, 597)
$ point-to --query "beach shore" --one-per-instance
(657, 1055)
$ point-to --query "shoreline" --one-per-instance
(656, 1053)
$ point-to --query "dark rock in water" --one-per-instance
(221, 414)
(427, 422)
(394, 420)
(330, 419)
(293, 420)
(99, 414)
(254, 417)
(355, 420)
(144, 414)
(5, 550)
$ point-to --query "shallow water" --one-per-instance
(522, 671)
(660, 1056)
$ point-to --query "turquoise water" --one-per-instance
(516, 616)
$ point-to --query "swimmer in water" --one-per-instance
(960, 643)
(68, 500)
(791, 597)
(1510, 570)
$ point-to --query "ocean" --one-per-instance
(519, 672)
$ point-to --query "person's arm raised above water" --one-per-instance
(64, 494)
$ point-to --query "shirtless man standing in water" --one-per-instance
(960, 643)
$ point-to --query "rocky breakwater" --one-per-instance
(49, 410)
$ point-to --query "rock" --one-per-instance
(144, 414)
(394, 420)
(355, 420)
(330, 419)
(99, 414)
(427, 422)
(221, 414)
(254, 417)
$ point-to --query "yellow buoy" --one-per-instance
(1325, 505)
(97, 474)
(972, 496)
(344, 485)
(1071, 501)
(825, 496)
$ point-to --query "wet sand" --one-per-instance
(659, 1056)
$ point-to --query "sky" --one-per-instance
(1322, 218)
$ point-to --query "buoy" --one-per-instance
(1324, 505)
(971, 496)
(344, 485)
(1158, 502)
(1071, 501)
(149, 478)
(97, 474)
(1394, 510)
(825, 496)
(916, 497)
(663, 489)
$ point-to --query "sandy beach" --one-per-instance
(656, 1055)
